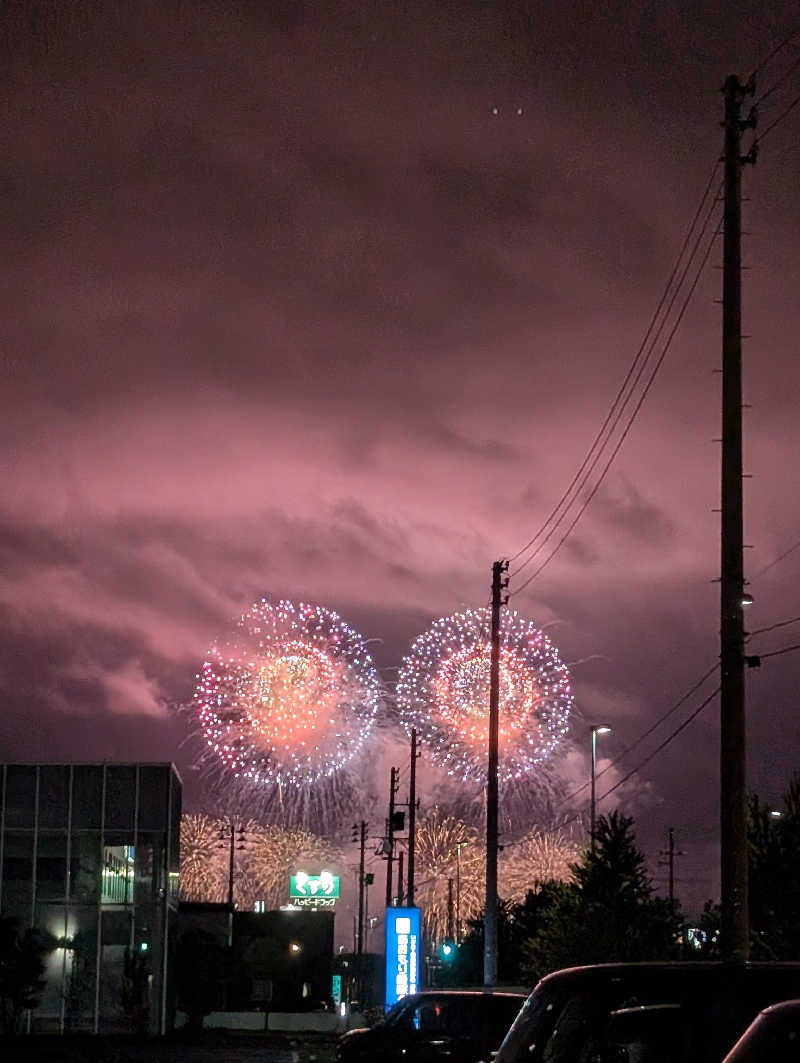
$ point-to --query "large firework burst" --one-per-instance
(443, 691)
(288, 698)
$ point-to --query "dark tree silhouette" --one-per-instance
(608, 913)
(21, 970)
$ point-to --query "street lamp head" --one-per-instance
(601, 729)
(747, 599)
(775, 813)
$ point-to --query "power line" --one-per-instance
(774, 87)
(784, 114)
(646, 734)
(624, 386)
(665, 743)
(635, 412)
(778, 559)
(775, 51)
(779, 653)
(773, 627)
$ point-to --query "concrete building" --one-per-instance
(89, 855)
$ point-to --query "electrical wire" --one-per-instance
(775, 51)
(778, 559)
(646, 734)
(681, 727)
(773, 627)
(784, 114)
(774, 87)
(631, 370)
(779, 653)
(633, 415)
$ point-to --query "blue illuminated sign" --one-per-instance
(402, 953)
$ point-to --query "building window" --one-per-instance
(118, 869)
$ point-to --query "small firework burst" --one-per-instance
(263, 859)
(539, 857)
(448, 851)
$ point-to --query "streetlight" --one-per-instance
(597, 729)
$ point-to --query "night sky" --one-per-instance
(328, 300)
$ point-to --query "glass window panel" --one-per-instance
(120, 796)
(17, 897)
(20, 799)
(87, 796)
(51, 867)
(153, 794)
(119, 857)
(81, 966)
(53, 795)
(85, 866)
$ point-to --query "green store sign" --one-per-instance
(310, 888)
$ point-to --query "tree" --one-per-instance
(21, 970)
(199, 970)
(774, 869)
(608, 913)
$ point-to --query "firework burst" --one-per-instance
(448, 849)
(443, 691)
(289, 698)
(539, 857)
(264, 857)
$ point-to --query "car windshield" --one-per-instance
(530, 1029)
(774, 1038)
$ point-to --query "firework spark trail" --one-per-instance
(289, 697)
(437, 840)
(538, 858)
(264, 857)
(443, 691)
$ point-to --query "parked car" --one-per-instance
(644, 1012)
(460, 1025)
(773, 1037)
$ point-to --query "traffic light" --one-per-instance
(369, 878)
(447, 949)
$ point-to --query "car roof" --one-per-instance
(668, 968)
(512, 993)
(782, 1006)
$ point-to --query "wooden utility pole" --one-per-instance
(733, 783)
(400, 885)
(361, 884)
(490, 906)
(669, 855)
(390, 837)
(412, 817)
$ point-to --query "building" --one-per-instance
(89, 855)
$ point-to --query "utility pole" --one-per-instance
(490, 906)
(670, 853)
(390, 837)
(360, 930)
(412, 816)
(733, 793)
(400, 888)
(451, 934)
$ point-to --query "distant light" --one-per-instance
(343, 1008)
(775, 813)
(144, 946)
(295, 947)
(446, 949)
